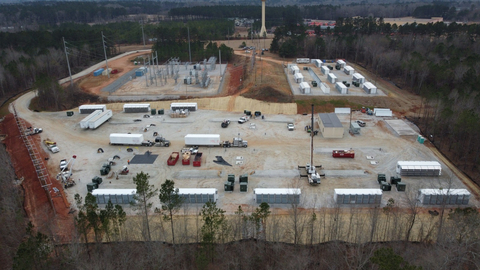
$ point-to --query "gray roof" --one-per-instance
(330, 120)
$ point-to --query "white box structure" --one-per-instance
(184, 106)
(357, 77)
(84, 109)
(84, 122)
(341, 88)
(341, 63)
(303, 60)
(444, 196)
(342, 110)
(198, 195)
(357, 196)
(294, 69)
(277, 195)
(325, 70)
(134, 108)
(332, 78)
(98, 120)
(348, 70)
(318, 63)
(305, 88)
(126, 139)
(419, 168)
(116, 196)
(298, 77)
(369, 88)
(382, 112)
(325, 88)
(202, 139)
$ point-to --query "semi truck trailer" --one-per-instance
(126, 139)
(212, 140)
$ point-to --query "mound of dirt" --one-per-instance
(268, 93)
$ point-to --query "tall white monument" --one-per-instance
(263, 30)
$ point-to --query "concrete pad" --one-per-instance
(401, 128)
(147, 158)
(196, 174)
(276, 173)
(344, 173)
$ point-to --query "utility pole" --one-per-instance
(146, 80)
(68, 63)
(105, 52)
(220, 61)
(154, 72)
(189, 52)
(143, 35)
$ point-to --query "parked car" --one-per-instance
(291, 126)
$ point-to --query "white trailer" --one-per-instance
(184, 106)
(84, 122)
(198, 195)
(303, 60)
(357, 196)
(341, 63)
(202, 139)
(294, 69)
(134, 108)
(317, 62)
(419, 168)
(277, 195)
(126, 139)
(357, 77)
(382, 112)
(369, 88)
(325, 70)
(305, 88)
(443, 196)
(348, 70)
(342, 110)
(298, 77)
(332, 78)
(325, 88)
(116, 196)
(84, 109)
(98, 120)
(341, 88)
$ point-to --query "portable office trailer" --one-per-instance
(330, 125)
(341, 88)
(84, 109)
(277, 195)
(116, 196)
(341, 63)
(198, 195)
(357, 196)
(305, 88)
(357, 77)
(98, 120)
(298, 77)
(354, 127)
(382, 112)
(348, 70)
(325, 88)
(184, 106)
(303, 60)
(443, 196)
(317, 62)
(342, 110)
(419, 168)
(294, 69)
(332, 78)
(369, 88)
(84, 122)
(134, 108)
(325, 70)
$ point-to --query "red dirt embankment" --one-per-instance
(36, 202)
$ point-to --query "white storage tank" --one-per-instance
(298, 77)
(198, 195)
(305, 88)
(325, 70)
(135, 108)
(357, 77)
(341, 88)
(369, 88)
(332, 78)
(348, 70)
(419, 168)
(84, 109)
(325, 88)
(357, 196)
(116, 196)
(277, 195)
(444, 196)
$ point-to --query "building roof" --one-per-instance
(330, 120)
(358, 75)
(292, 191)
(369, 85)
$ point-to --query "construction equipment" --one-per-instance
(66, 172)
(225, 123)
(237, 142)
(105, 169)
(124, 170)
(51, 145)
(309, 170)
(32, 131)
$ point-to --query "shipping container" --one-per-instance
(87, 109)
(298, 77)
(98, 72)
(357, 196)
(369, 88)
(136, 108)
(202, 139)
(294, 69)
(317, 63)
(126, 139)
(198, 195)
(332, 78)
(98, 120)
(348, 70)
(444, 196)
(84, 122)
(341, 88)
(303, 60)
(305, 88)
(325, 70)
(116, 196)
(342, 110)
(184, 106)
(357, 77)
(141, 71)
(341, 63)
(277, 195)
(419, 168)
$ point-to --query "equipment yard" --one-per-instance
(271, 159)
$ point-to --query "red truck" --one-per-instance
(197, 161)
(343, 153)
(172, 160)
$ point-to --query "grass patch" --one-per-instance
(324, 105)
